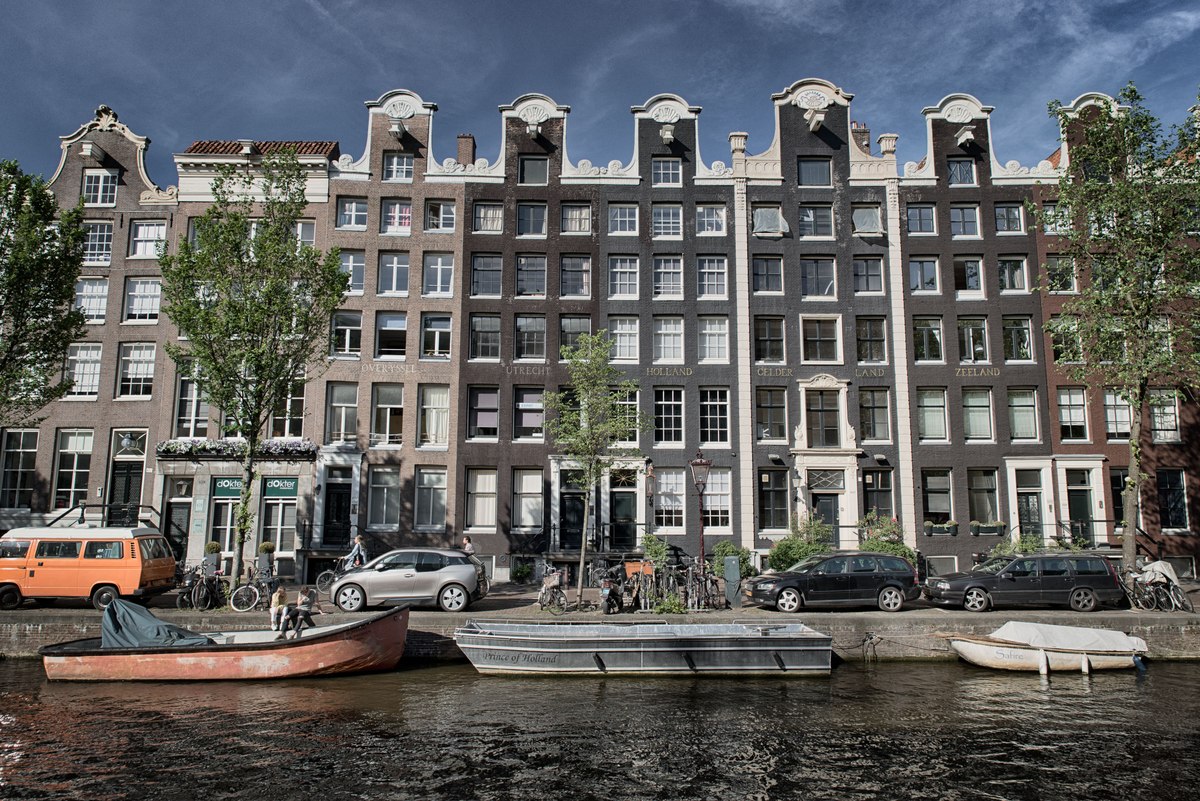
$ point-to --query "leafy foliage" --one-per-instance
(670, 604)
(726, 548)
(807, 537)
(655, 551)
(41, 252)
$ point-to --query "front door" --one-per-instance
(623, 517)
(825, 507)
(1079, 506)
(179, 520)
(336, 532)
(570, 521)
(125, 493)
(1029, 513)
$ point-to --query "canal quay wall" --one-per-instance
(914, 633)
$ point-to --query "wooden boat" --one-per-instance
(371, 644)
(511, 647)
(1045, 648)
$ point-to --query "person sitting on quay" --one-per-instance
(300, 615)
(279, 607)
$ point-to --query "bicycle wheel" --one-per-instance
(1165, 602)
(556, 602)
(1182, 601)
(1143, 598)
(325, 581)
(201, 596)
(244, 598)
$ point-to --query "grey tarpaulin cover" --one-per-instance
(127, 625)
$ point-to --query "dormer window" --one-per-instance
(100, 187)
(666, 172)
(534, 170)
(960, 172)
(397, 166)
(814, 172)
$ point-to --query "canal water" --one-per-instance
(890, 731)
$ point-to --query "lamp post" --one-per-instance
(700, 468)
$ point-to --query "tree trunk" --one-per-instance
(1131, 493)
(245, 517)
(587, 518)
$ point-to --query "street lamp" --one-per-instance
(700, 468)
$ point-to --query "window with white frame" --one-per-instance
(1018, 339)
(287, 419)
(815, 221)
(1060, 274)
(624, 334)
(713, 339)
(341, 413)
(670, 489)
(1022, 415)
(438, 275)
(383, 503)
(1011, 272)
(770, 413)
(666, 172)
(921, 219)
(145, 237)
(395, 216)
(935, 495)
(391, 335)
(97, 243)
(72, 467)
(570, 328)
(821, 342)
(668, 277)
(487, 275)
(575, 277)
(1056, 220)
(20, 468)
(625, 409)
(866, 220)
(817, 278)
(972, 340)
(354, 267)
(346, 334)
(142, 298)
(529, 413)
(1072, 413)
(481, 498)
(191, 408)
(1172, 498)
(666, 221)
(433, 423)
(927, 339)
(429, 511)
(531, 219)
(822, 416)
(529, 344)
(718, 495)
(868, 276)
(814, 172)
(968, 276)
(668, 415)
(622, 276)
(483, 413)
(1164, 415)
(768, 339)
(576, 218)
(91, 297)
(964, 221)
(99, 187)
(136, 378)
(923, 275)
(1117, 417)
(871, 339)
(439, 216)
(766, 273)
(489, 218)
(668, 340)
(982, 501)
(623, 219)
(531, 276)
(710, 219)
(393, 273)
(711, 277)
(533, 170)
(83, 369)
(714, 416)
(435, 336)
(960, 172)
(306, 233)
(931, 415)
(1010, 218)
(352, 213)
(397, 166)
(977, 416)
(527, 503)
(873, 416)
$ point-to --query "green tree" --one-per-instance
(588, 420)
(1127, 214)
(41, 252)
(809, 536)
(252, 304)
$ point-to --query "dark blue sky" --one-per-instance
(301, 69)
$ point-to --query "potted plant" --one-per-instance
(975, 524)
(212, 547)
(993, 527)
(952, 527)
(267, 547)
(928, 528)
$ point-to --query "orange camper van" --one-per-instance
(45, 563)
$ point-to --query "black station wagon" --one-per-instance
(1081, 581)
(843, 579)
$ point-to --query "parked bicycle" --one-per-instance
(552, 598)
(209, 591)
(256, 594)
(1156, 586)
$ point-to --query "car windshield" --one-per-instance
(806, 564)
(993, 566)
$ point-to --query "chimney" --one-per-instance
(466, 148)
(862, 136)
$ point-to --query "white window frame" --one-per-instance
(397, 166)
(950, 172)
(712, 273)
(135, 378)
(393, 275)
(350, 211)
(143, 298)
(866, 219)
(529, 227)
(937, 275)
(965, 220)
(99, 188)
(341, 415)
(1025, 408)
(929, 401)
(585, 262)
(487, 217)
(354, 267)
(384, 500)
(98, 243)
(623, 274)
(390, 321)
(666, 171)
(429, 506)
(571, 219)
(710, 219)
(83, 367)
(481, 505)
(622, 219)
(392, 216)
(1022, 275)
(666, 221)
(969, 433)
(1007, 208)
(667, 267)
(439, 267)
(625, 338)
(91, 297)
(1164, 415)
(145, 237)
(712, 340)
(441, 216)
(668, 340)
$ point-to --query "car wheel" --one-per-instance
(453, 598)
(1083, 600)
(350, 598)
(10, 597)
(891, 599)
(789, 600)
(104, 595)
(976, 599)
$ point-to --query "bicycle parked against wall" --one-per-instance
(1156, 586)
(552, 598)
(256, 594)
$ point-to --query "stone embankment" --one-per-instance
(913, 633)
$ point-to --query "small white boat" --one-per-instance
(1045, 648)
(500, 647)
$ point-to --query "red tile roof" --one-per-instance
(216, 147)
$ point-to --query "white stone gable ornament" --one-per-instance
(811, 99)
(534, 114)
(666, 114)
(399, 109)
(958, 112)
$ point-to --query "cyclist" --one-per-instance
(357, 556)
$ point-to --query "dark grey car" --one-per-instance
(1083, 582)
(444, 577)
(844, 579)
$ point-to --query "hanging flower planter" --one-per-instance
(289, 450)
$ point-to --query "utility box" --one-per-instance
(733, 582)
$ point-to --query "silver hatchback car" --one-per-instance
(444, 577)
